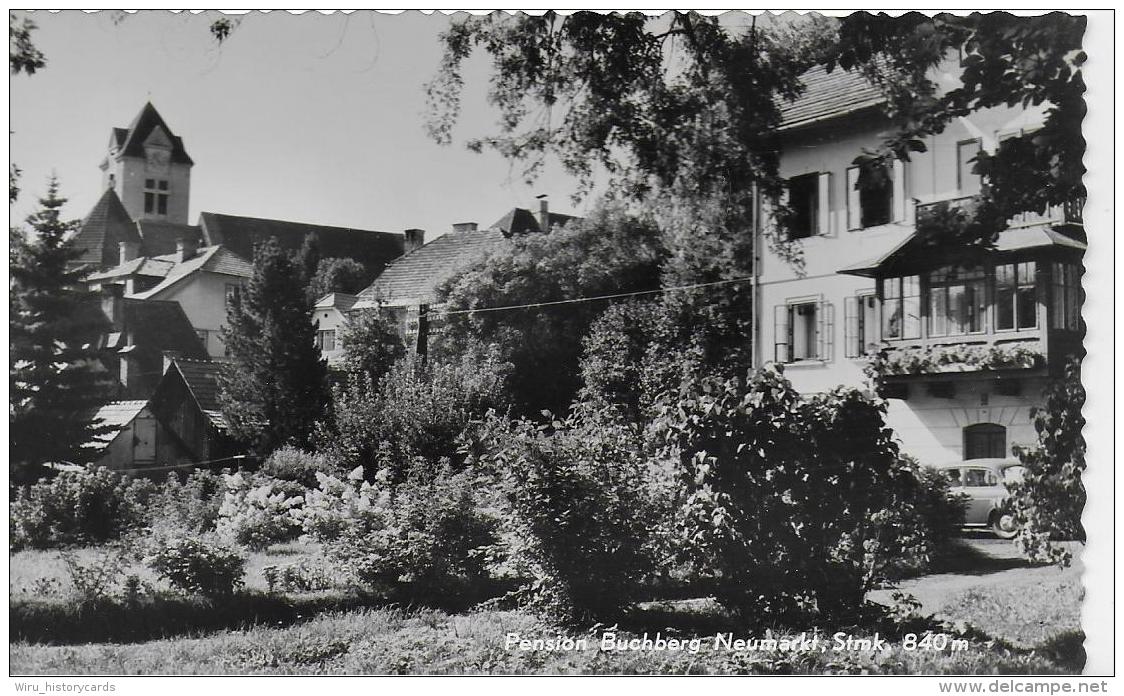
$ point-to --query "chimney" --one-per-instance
(113, 304)
(414, 240)
(128, 251)
(185, 248)
(170, 356)
(465, 227)
(544, 213)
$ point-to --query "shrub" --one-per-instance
(789, 504)
(301, 576)
(578, 510)
(294, 464)
(198, 567)
(96, 579)
(421, 540)
(415, 411)
(1049, 500)
(188, 502)
(337, 506)
(258, 511)
(78, 507)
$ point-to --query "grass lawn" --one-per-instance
(1029, 624)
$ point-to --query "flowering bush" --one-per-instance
(198, 567)
(78, 507)
(258, 511)
(421, 540)
(188, 503)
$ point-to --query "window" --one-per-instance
(156, 196)
(1016, 300)
(861, 324)
(954, 480)
(1065, 309)
(967, 182)
(233, 293)
(326, 340)
(873, 203)
(980, 478)
(803, 201)
(901, 307)
(985, 441)
(808, 201)
(202, 334)
(803, 331)
(957, 301)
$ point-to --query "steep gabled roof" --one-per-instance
(829, 95)
(105, 227)
(132, 144)
(158, 237)
(115, 415)
(214, 259)
(240, 234)
(522, 221)
(414, 278)
(202, 378)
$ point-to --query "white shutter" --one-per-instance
(899, 191)
(854, 212)
(823, 205)
(852, 330)
(782, 349)
(825, 327)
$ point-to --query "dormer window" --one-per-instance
(156, 196)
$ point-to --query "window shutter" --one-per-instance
(823, 205)
(781, 340)
(899, 191)
(825, 327)
(852, 330)
(854, 212)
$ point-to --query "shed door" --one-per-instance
(144, 439)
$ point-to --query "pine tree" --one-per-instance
(275, 387)
(55, 378)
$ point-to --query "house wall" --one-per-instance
(121, 453)
(331, 319)
(203, 298)
(929, 428)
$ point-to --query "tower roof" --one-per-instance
(105, 227)
(130, 141)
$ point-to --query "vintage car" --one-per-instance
(984, 483)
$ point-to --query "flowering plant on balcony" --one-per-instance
(956, 358)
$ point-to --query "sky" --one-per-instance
(312, 118)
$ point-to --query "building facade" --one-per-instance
(965, 340)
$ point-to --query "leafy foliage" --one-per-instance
(579, 508)
(95, 580)
(296, 465)
(23, 56)
(422, 539)
(78, 507)
(198, 567)
(274, 388)
(416, 410)
(371, 345)
(1006, 61)
(55, 378)
(609, 252)
(788, 503)
(1049, 500)
(187, 502)
(337, 275)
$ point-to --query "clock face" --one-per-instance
(157, 158)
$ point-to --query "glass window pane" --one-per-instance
(938, 312)
(892, 318)
(1005, 297)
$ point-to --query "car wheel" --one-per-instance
(1003, 525)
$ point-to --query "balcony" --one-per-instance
(1055, 216)
(956, 358)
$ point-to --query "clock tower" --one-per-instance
(148, 168)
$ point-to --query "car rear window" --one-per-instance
(980, 478)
